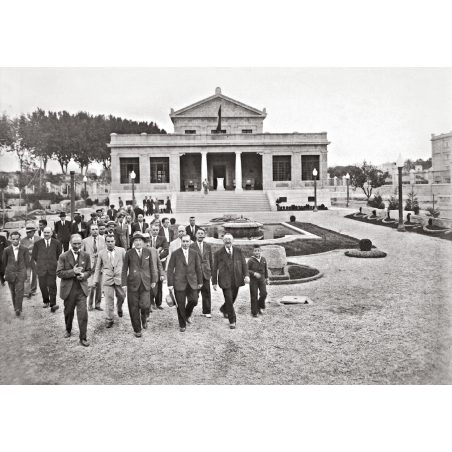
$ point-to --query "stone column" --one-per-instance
(267, 171)
(203, 166)
(145, 178)
(175, 171)
(323, 170)
(296, 170)
(238, 172)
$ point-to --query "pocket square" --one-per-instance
(147, 258)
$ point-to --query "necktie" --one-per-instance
(200, 247)
(95, 246)
(139, 254)
(47, 243)
(76, 258)
(153, 242)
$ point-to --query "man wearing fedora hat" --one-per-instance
(139, 276)
(29, 241)
(63, 231)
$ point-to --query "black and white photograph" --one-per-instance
(240, 228)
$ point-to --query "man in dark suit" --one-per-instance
(168, 205)
(230, 272)
(42, 224)
(165, 230)
(185, 276)
(140, 225)
(138, 211)
(257, 266)
(205, 251)
(74, 269)
(94, 220)
(79, 226)
(3, 245)
(145, 204)
(16, 260)
(45, 254)
(192, 229)
(139, 276)
(112, 212)
(151, 206)
(161, 245)
(63, 231)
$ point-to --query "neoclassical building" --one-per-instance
(238, 155)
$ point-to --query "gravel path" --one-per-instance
(374, 321)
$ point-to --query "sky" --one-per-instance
(368, 113)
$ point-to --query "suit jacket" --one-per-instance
(3, 245)
(170, 233)
(112, 214)
(16, 269)
(151, 206)
(84, 229)
(188, 231)
(87, 247)
(226, 271)
(255, 266)
(180, 273)
(63, 233)
(206, 258)
(29, 243)
(158, 262)
(122, 236)
(136, 227)
(46, 258)
(65, 271)
(161, 245)
(136, 271)
(111, 271)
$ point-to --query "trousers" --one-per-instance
(76, 299)
(185, 310)
(156, 294)
(17, 294)
(109, 292)
(206, 296)
(31, 282)
(139, 303)
(230, 295)
(98, 294)
(48, 287)
(255, 286)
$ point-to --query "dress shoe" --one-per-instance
(153, 305)
(68, 334)
(84, 342)
(45, 305)
(98, 308)
(255, 315)
(232, 326)
(224, 314)
(208, 316)
(137, 334)
(262, 312)
(17, 312)
(28, 295)
(54, 308)
(119, 313)
(160, 307)
(90, 308)
(189, 320)
(145, 325)
(33, 294)
(109, 324)
(182, 330)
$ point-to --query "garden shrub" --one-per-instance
(365, 245)
(376, 201)
(393, 203)
(292, 218)
(432, 212)
(89, 202)
(412, 202)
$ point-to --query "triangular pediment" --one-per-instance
(209, 107)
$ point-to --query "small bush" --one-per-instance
(393, 203)
(432, 212)
(89, 202)
(36, 205)
(376, 201)
(292, 218)
(365, 245)
(412, 202)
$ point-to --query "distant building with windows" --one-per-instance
(441, 149)
(233, 153)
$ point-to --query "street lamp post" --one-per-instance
(314, 173)
(85, 194)
(401, 226)
(347, 178)
(132, 176)
(72, 173)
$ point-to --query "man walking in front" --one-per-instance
(138, 278)
(93, 245)
(205, 252)
(63, 231)
(16, 260)
(161, 245)
(45, 256)
(74, 269)
(257, 266)
(108, 275)
(230, 272)
(185, 276)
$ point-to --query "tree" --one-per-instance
(367, 177)
(408, 165)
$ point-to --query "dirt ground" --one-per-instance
(373, 321)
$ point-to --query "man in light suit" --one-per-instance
(205, 252)
(192, 229)
(31, 283)
(122, 232)
(176, 243)
(138, 278)
(185, 276)
(45, 256)
(230, 272)
(161, 245)
(93, 245)
(108, 274)
(63, 231)
(165, 231)
(74, 269)
(16, 260)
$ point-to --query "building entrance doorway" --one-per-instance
(219, 171)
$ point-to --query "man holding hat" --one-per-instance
(139, 276)
(29, 241)
(63, 231)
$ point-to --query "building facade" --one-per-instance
(441, 149)
(233, 153)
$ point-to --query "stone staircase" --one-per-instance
(224, 201)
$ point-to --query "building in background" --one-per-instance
(441, 167)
